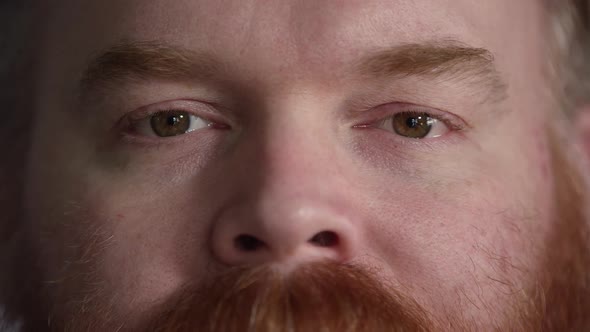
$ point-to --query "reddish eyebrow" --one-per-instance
(142, 60)
(449, 60)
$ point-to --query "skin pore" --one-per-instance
(479, 226)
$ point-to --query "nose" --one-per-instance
(282, 230)
(291, 199)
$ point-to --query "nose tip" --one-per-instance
(238, 242)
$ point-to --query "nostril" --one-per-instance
(246, 242)
(325, 239)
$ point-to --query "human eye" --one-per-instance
(414, 122)
(169, 123)
(417, 125)
(167, 120)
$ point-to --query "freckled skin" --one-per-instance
(458, 224)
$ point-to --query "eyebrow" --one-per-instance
(127, 61)
(447, 59)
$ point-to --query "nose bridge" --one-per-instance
(292, 204)
(299, 135)
(292, 146)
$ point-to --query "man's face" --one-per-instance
(176, 140)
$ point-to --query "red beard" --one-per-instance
(335, 297)
(320, 296)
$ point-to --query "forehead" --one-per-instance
(302, 36)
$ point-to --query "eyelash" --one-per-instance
(452, 122)
(378, 117)
(127, 125)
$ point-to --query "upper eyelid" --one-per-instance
(384, 112)
(447, 120)
(205, 111)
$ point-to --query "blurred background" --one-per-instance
(15, 27)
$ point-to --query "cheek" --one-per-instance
(131, 231)
(470, 242)
(139, 246)
(158, 244)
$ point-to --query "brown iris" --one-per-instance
(173, 123)
(412, 125)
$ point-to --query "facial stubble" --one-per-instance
(334, 297)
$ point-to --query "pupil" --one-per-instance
(174, 120)
(413, 122)
(170, 123)
(412, 125)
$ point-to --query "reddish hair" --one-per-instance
(326, 296)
